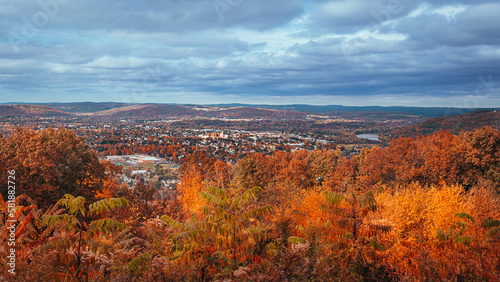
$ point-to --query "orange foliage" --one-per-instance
(434, 193)
(310, 209)
(418, 212)
(191, 186)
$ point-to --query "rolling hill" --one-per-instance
(84, 107)
(429, 112)
(454, 124)
(149, 111)
(31, 111)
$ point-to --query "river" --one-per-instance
(369, 136)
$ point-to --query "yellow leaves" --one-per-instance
(443, 204)
(423, 211)
(191, 186)
(106, 205)
(73, 204)
(484, 202)
(69, 221)
(310, 209)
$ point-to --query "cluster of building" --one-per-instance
(134, 159)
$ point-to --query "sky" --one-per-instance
(354, 52)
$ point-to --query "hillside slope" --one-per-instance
(453, 124)
(30, 111)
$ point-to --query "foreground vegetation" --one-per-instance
(421, 209)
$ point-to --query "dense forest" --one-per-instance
(420, 209)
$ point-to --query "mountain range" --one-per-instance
(420, 120)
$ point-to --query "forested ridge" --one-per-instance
(421, 209)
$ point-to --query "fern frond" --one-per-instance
(212, 199)
(53, 245)
(259, 212)
(250, 195)
(139, 263)
(95, 246)
(441, 236)
(368, 200)
(69, 220)
(493, 231)
(296, 240)
(173, 223)
(464, 215)
(489, 223)
(106, 205)
(376, 245)
(466, 240)
(382, 228)
(219, 192)
(106, 226)
(344, 222)
(334, 198)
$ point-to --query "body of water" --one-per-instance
(369, 136)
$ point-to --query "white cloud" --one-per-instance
(109, 62)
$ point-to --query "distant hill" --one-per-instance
(149, 111)
(155, 111)
(429, 112)
(250, 112)
(454, 124)
(145, 111)
(231, 111)
(30, 111)
(84, 107)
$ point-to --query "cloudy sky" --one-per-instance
(353, 52)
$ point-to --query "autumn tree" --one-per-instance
(250, 172)
(191, 185)
(321, 164)
(482, 156)
(79, 230)
(229, 228)
(352, 208)
(140, 196)
(51, 163)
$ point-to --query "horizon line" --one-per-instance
(249, 104)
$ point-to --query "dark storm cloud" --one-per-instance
(156, 15)
(348, 16)
(478, 25)
(381, 51)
